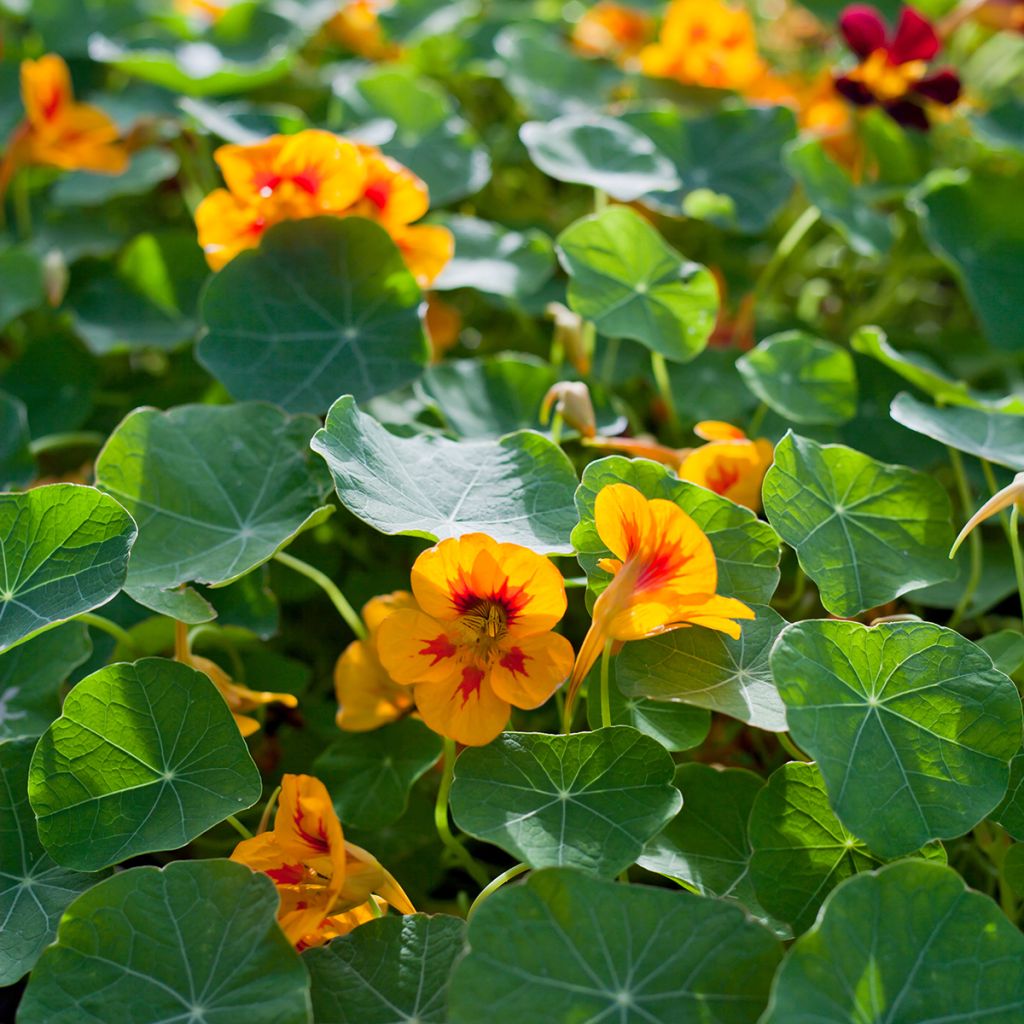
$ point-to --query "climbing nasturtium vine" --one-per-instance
(511, 511)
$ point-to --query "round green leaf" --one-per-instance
(1013, 869)
(1006, 649)
(747, 550)
(34, 890)
(493, 396)
(63, 551)
(494, 260)
(911, 725)
(323, 307)
(196, 941)
(864, 531)
(216, 490)
(732, 154)
(17, 465)
(802, 378)
(995, 436)
(602, 152)
(369, 774)
(706, 844)
(389, 970)
(976, 223)
(144, 757)
(518, 489)
(32, 674)
(710, 670)
(1010, 812)
(589, 800)
(675, 726)
(568, 947)
(626, 279)
(906, 943)
(801, 851)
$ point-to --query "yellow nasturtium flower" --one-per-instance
(481, 641)
(325, 884)
(240, 699)
(730, 464)
(665, 577)
(357, 27)
(367, 696)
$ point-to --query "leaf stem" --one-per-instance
(556, 429)
(267, 811)
(494, 885)
(324, 582)
(757, 419)
(22, 206)
(606, 699)
(787, 246)
(238, 827)
(1018, 555)
(74, 439)
(182, 650)
(458, 851)
(119, 633)
(791, 748)
(661, 378)
(993, 486)
(974, 540)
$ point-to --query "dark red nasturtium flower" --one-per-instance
(893, 70)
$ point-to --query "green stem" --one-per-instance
(267, 811)
(600, 200)
(661, 378)
(611, 357)
(756, 420)
(75, 439)
(606, 697)
(790, 747)
(119, 633)
(974, 540)
(22, 206)
(1018, 555)
(205, 631)
(993, 486)
(238, 827)
(324, 582)
(458, 851)
(497, 883)
(556, 428)
(786, 247)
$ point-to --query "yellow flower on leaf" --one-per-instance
(240, 699)
(325, 884)
(481, 641)
(367, 696)
(730, 464)
(665, 577)
(707, 43)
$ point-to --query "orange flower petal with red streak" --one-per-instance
(734, 469)
(227, 226)
(531, 669)
(427, 249)
(392, 194)
(468, 710)
(415, 648)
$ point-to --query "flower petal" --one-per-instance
(942, 87)
(367, 696)
(915, 38)
(467, 710)
(908, 114)
(856, 92)
(530, 670)
(863, 29)
(415, 648)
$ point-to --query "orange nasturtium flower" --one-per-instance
(613, 31)
(238, 698)
(482, 640)
(730, 464)
(665, 577)
(367, 696)
(327, 886)
(357, 27)
(57, 131)
(707, 43)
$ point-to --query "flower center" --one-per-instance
(487, 620)
(888, 81)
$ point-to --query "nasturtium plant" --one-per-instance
(511, 509)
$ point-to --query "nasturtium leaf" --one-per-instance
(910, 723)
(746, 549)
(145, 756)
(546, 77)
(842, 204)
(323, 307)
(1010, 812)
(1012, 873)
(564, 946)
(626, 279)
(391, 971)
(248, 603)
(801, 851)
(369, 774)
(600, 151)
(706, 843)
(1006, 649)
(735, 154)
(909, 942)
(1002, 125)
(182, 603)
(63, 551)
(34, 890)
(32, 674)
(495, 260)
(976, 223)
(923, 373)
(802, 378)
(147, 168)
(710, 670)
(863, 530)
(196, 941)
(710, 388)
(22, 274)
(493, 396)
(216, 490)
(590, 800)
(17, 465)
(674, 725)
(517, 489)
(995, 436)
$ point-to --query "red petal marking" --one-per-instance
(915, 39)
(265, 182)
(471, 679)
(439, 648)
(308, 181)
(287, 874)
(52, 104)
(863, 29)
(513, 601)
(721, 477)
(378, 192)
(318, 842)
(258, 225)
(515, 661)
